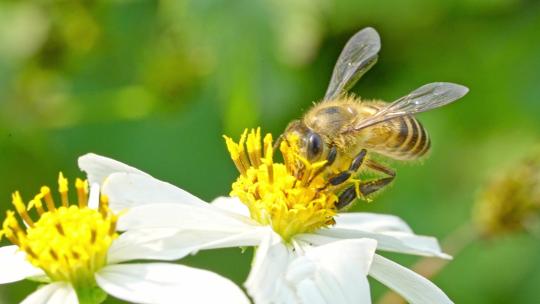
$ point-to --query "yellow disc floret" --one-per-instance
(291, 197)
(68, 242)
(511, 201)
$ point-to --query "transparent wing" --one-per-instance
(425, 98)
(357, 57)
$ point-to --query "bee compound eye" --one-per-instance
(315, 146)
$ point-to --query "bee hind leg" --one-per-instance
(363, 189)
(346, 197)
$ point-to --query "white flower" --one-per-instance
(323, 266)
(76, 250)
(307, 252)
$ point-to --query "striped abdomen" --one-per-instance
(402, 138)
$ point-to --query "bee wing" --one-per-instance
(357, 57)
(425, 98)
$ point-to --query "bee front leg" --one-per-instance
(330, 158)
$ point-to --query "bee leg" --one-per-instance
(369, 187)
(332, 154)
(342, 177)
(363, 189)
(346, 197)
(380, 168)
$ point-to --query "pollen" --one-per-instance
(292, 197)
(69, 242)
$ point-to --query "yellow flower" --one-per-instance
(76, 249)
(511, 201)
(291, 200)
(68, 242)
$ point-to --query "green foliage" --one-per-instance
(156, 83)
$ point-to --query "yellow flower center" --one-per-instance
(510, 202)
(68, 242)
(292, 196)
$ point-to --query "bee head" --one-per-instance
(311, 144)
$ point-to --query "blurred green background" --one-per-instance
(156, 83)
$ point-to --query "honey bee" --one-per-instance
(344, 129)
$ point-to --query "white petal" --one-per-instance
(309, 292)
(372, 222)
(126, 190)
(98, 167)
(171, 231)
(391, 233)
(14, 266)
(340, 271)
(173, 244)
(53, 293)
(401, 242)
(94, 196)
(232, 204)
(333, 273)
(412, 286)
(266, 277)
(167, 283)
(182, 216)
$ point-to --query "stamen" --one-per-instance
(112, 227)
(258, 151)
(273, 192)
(75, 255)
(12, 238)
(30, 251)
(36, 202)
(254, 147)
(93, 235)
(235, 155)
(21, 209)
(241, 150)
(82, 192)
(63, 189)
(46, 193)
(59, 228)
(306, 175)
(104, 205)
(268, 156)
(53, 253)
(10, 227)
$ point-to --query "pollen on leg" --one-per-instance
(288, 196)
(69, 242)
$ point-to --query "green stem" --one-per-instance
(90, 294)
